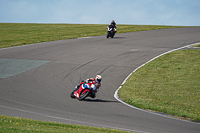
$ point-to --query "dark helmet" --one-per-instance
(113, 22)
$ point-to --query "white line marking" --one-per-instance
(39, 43)
(83, 37)
(96, 125)
(116, 92)
(20, 46)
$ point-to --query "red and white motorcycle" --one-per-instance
(83, 91)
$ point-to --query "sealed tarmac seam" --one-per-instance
(12, 67)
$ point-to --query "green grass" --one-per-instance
(197, 45)
(169, 84)
(20, 125)
(16, 34)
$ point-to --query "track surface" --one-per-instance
(42, 91)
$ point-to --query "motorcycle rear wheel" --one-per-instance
(112, 35)
(83, 96)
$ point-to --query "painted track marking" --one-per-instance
(118, 99)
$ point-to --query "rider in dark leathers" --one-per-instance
(113, 24)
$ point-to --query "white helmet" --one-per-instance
(98, 78)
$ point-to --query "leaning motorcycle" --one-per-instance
(111, 31)
(82, 91)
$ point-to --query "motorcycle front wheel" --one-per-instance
(72, 95)
(107, 35)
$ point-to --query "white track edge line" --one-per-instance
(59, 118)
(118, 99)
(39, 43)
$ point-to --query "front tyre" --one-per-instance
(72, 94)
(107, 35)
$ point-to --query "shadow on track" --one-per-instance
(118, 37)
(97, 100)
(115, 37)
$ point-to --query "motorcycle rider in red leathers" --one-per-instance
(91, 82)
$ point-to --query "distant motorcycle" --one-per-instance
(111, 31)
(82, 91)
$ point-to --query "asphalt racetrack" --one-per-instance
(36, 80)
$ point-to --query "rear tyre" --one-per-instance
(112, 35)
(83, 96)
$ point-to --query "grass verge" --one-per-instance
(10, 124)
(197, 45)
(168, 84)
(16, 34)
